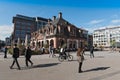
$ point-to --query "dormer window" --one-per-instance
(69, 28)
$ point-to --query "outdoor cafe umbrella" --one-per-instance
(26, 40)
(18, 41)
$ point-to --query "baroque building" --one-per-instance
(57, 32)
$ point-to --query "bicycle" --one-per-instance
(64, 56)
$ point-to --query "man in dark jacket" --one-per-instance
(91, 52)
(28, 56)
(5, 55)
(15, 56)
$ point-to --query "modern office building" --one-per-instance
(24, 25)
(41, 22)
(57, 32)
(107, 37)
(2, 44)
(7, 41)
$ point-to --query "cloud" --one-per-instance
(110, 26)
(114, 16)
(5, 31)
(107, 26)
(96, 21)
(115, 21)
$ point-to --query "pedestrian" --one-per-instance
(51, 51)
(5, 51)
(80, 58)
(43, 50)
(28, 54)
(91, 52)
(15, 56)
(84, 51)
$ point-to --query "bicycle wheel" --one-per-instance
(61, 58)
(70, 57)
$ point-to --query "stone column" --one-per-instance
(67, 43)
(55, 42)
(77, 43)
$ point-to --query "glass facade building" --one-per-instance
(24, 25)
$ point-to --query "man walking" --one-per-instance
(15, 56)
(51, 51)
(28, 56)
(5, 55)
(91, 52)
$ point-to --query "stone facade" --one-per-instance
(58, 32)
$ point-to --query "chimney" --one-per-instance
(49, 20)
(54, 17)
(60, 15)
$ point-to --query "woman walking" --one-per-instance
(80, 58)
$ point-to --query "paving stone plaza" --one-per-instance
(105, 66)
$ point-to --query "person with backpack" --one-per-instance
(15, 56)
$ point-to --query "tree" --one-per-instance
(2, 45)
(112, 43)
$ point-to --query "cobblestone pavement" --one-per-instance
(105, 66)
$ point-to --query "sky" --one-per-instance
(86, 14)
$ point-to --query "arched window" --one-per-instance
(39, 44)
(47, 42)
(51, 42)
(42, 43)
(61, 42)
(33, 44)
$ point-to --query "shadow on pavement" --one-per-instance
(97, 69)
(99, 57)
(40, 66)
(45, 65)
(105, 76)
